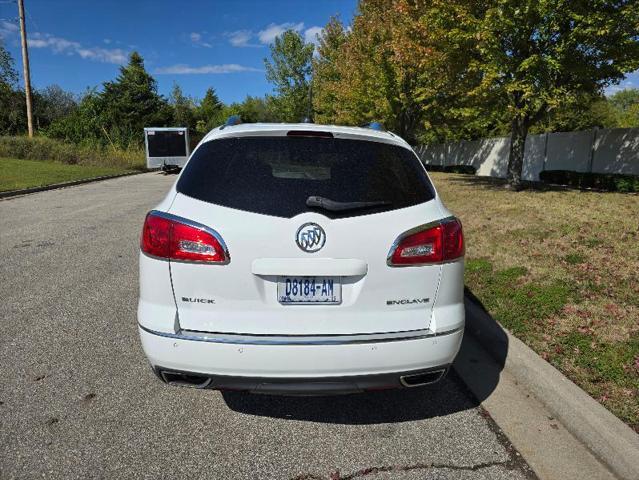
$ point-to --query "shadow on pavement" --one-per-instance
(392, 406)
(448, 396)
(483, 328)
(483, 352)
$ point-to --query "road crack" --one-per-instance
(397, 468)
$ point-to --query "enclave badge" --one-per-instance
(310, 237)
(407, 301)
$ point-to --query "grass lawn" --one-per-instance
(18, 174)
(560, 270)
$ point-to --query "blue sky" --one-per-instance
(78, 44)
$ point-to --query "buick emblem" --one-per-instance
(310, 237)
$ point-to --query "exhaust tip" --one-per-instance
(419, 379)
(185, 379)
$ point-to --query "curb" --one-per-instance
(609, 439)
(55, 186)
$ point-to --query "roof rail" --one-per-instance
(375, 126)
(232, 120)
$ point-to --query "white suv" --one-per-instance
(301, 259)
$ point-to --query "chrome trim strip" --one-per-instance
(240, 339)
(199, 226)
(407, 233)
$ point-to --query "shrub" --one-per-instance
(599, 181)
(47, 149)
(465, 169)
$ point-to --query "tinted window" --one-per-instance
(276, 175)
(166, 144)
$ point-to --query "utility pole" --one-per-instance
(25, 67)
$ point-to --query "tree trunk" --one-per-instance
(516, 157)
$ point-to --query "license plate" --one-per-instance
(309, 290)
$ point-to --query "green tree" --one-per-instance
(257, 109)
(326, 71)
(131, 102)
(369, 82)
(251, 110)
(625, 99)
(117, 115)
(183, 108)
(360, 76)
(209, 111)
(404, 63)
(538, 55)
(12, 111)
(8, 74)
(51, 104)
(83, 124)
(626, 104)
(434, 44)
(585, 112)
(289, 70)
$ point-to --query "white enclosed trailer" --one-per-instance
(166, 147)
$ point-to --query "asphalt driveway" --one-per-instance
(78, 400)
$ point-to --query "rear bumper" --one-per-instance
(304, 386)
(299, 368)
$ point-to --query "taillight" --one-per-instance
(437, 243)
(453, 238)
(174, 238)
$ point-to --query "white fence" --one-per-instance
(598, 151)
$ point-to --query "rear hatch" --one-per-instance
(308, 222)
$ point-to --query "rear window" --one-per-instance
(277, 175)
(166, 144)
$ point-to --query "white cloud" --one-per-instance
(106, 55)
(311, 35)
(273, 30)
(197, 39)
(628, 83)
(241, 38)
(69, 47)
(7, 28)
(182, 69)
(56, 44)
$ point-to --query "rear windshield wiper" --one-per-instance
(333, 206)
